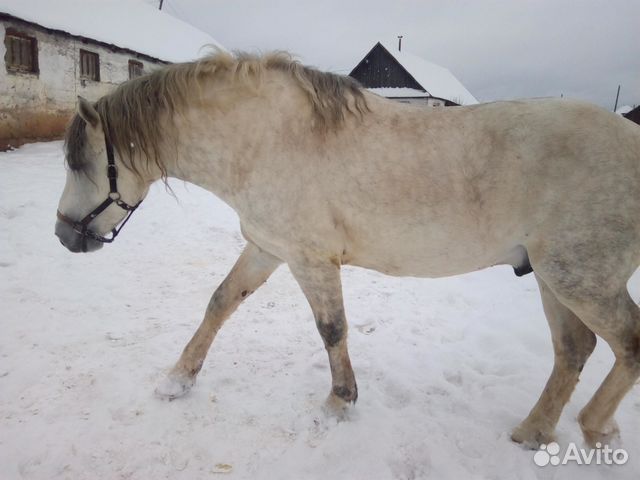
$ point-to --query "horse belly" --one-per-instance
(423, 256)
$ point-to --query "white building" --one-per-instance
(55, 50)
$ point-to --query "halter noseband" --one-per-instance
(82, 227)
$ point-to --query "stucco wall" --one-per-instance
(38, 106)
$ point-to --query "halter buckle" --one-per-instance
(112, 171)
(114, 196)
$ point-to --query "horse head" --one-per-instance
(101, 190)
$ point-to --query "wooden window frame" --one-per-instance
(95, 76)
(133, 66)
(12, 34)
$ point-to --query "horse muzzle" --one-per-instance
(73, 240)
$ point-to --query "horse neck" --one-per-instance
(217, 147)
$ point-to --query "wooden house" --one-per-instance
(405, 77)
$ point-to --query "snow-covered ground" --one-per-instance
(445, 367)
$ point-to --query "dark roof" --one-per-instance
(633, 115)
(386, 67)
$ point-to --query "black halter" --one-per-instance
(82, 227)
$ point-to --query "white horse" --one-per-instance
(324, 174)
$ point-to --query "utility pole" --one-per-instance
(399, 43)
(160, 7)
(615, 107)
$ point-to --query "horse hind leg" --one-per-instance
(594, 288)
(252, 269)
(573, 342)
(618, 322)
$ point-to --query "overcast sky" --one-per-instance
(497, 49)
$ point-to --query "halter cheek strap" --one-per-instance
(82, 227)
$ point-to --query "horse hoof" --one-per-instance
(336, 407)
(174, 386)
(339, 401)
(531, 437)
(610, 434)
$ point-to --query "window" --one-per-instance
(89, 66)
(136, 69)
(22, 52)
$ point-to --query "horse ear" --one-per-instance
(87, 112)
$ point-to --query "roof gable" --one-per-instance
(633, 115)
(379, 69)
(436, 80)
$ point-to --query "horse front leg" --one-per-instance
(320, 282)
(252, 269)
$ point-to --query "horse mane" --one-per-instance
(130, 114)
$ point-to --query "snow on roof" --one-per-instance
(133, 25)
(436, 80)
(398, 92)
(623, 109)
